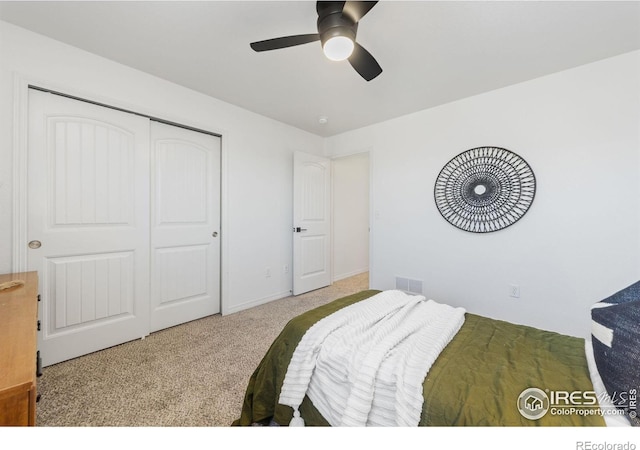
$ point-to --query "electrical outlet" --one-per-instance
(285, 268)
(267, 272)
(514, 291)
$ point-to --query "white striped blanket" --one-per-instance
(365, 364)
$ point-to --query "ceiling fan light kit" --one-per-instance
(337, 31)
(338, 48)
(337, 28)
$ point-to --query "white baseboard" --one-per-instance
(350, 274)
(257, 302)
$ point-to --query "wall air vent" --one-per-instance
(408, 285)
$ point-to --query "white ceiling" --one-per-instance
(431, 52)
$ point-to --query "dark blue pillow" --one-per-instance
(616, 348)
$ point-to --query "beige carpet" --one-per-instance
(189, 375)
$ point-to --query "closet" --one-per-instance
(123, 224)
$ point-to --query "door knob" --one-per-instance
(214, 234)
(35, 244)
(298, 229)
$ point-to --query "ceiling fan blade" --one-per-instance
(357, 10)
(365, 64)
(283, 42)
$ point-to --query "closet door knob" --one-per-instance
(35, 244)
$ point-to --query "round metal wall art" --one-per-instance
(485, 189)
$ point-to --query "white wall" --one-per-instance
(258, 168)
(350, 215)
(580, 241)
(579, 130)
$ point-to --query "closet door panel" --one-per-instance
(185, 255)
(88, 224)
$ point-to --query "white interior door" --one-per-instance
(311, 222)
(88, 224)
(185, 247)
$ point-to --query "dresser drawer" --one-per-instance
(18, 353)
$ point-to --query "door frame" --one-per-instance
(21, 85)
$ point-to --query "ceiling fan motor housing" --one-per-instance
(332, 22)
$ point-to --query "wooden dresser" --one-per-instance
(18, 350)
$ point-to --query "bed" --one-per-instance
(478, 379)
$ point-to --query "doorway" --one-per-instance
(351, 197)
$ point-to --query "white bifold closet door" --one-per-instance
(117, 208)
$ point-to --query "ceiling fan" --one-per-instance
(337, 27)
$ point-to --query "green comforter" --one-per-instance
(476, 380)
